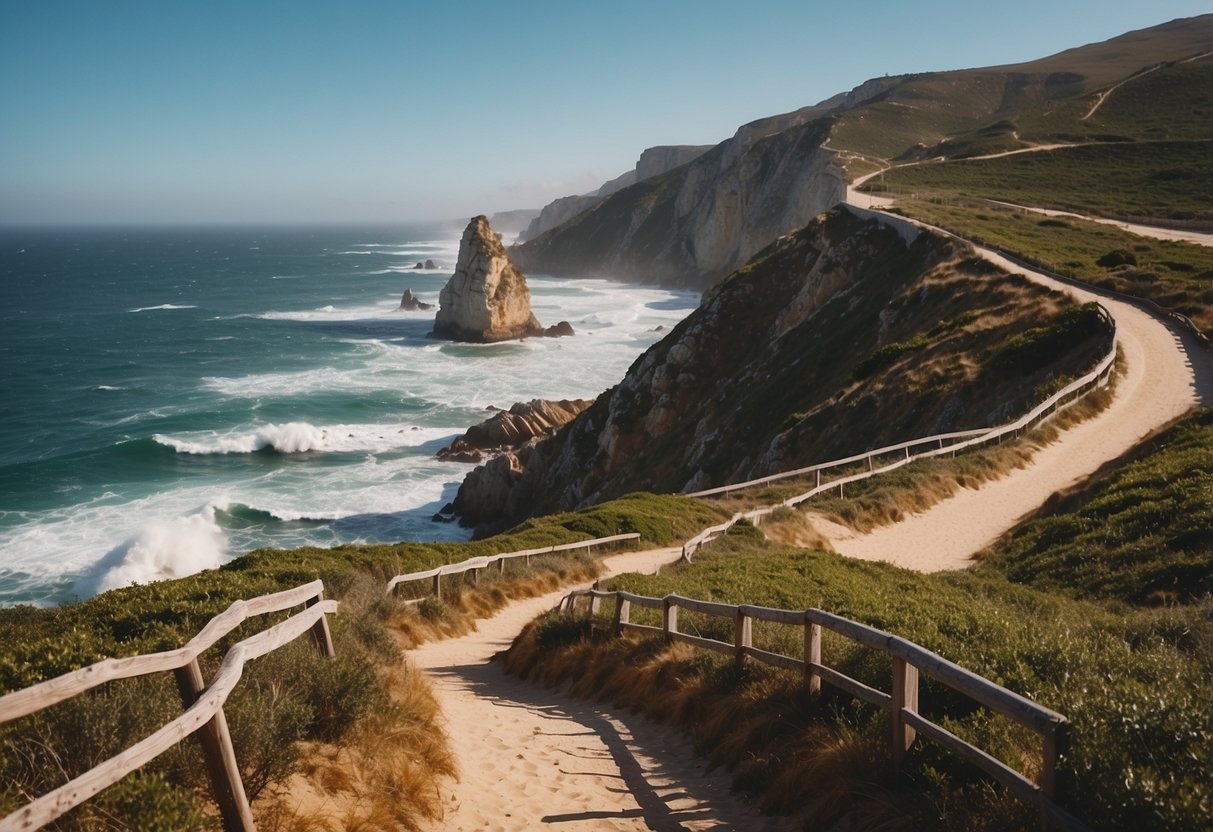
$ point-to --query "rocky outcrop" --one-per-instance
(486, 299)
(837, 338)
(428, 264)
(508, 430)
(410, 303)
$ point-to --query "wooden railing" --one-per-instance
(908, 660)
(203, 704)
(475, 565)
(937, 445)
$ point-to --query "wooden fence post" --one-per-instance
(743, 636)
(1056, 745)
(669, 619)
(622, 611)
(220, 757)
(905, 695)
(812, 656)
(438, 586)
(595, 601)
(320, 630)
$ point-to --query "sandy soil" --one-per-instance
(1167, 373)
(530, 758)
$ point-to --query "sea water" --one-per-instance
(172, 398)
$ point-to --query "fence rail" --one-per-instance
(203, 704)
(475, 565)
(908, 661)
(944, 443)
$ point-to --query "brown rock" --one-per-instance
(509, 429)
(486, 299)
(410, 303)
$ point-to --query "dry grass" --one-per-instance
(384, 777)
(461, 606)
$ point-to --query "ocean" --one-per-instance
(175, 397)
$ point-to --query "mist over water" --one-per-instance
(173, 398)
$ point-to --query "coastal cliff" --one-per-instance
(838, 338)
(694, 224)
(654, 161)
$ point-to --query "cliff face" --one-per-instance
(838, 338)
(486, 298)
(653, 162)
(696, 223)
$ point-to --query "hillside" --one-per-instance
(866, 340)
(702, 221)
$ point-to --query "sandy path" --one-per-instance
(530, 758)
(1167, 373)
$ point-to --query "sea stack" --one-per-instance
(486, 299)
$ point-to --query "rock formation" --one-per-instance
(486, 299)
(428, 264)
(512, 222)
(508, 430)
(410, 303)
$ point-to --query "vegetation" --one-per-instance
(1065, 611)
(1159, 180)
(1141, 534)
(292, 701)
(1174, 275)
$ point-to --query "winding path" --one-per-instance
(1166, 374)
(531, 758)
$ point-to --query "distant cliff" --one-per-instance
(653, 162)
(698, 222)
(511, 222)
(835, 339)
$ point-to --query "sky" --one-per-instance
(231, 112)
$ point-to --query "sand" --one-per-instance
(532, 758)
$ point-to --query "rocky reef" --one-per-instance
(508, 430)
(486, 299)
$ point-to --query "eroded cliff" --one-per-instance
(838, 338)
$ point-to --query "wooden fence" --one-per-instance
(203, 704)
(475, 565)
(908, 660)
(882, 460)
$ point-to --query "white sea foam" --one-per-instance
(160, 550)
(163, 306)
(301, 437)
(108, 387)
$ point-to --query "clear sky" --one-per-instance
(204, 111)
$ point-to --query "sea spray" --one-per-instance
(162, 549)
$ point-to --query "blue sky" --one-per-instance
(261, 111)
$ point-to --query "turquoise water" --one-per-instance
(175, 397)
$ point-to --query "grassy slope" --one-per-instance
(291, 695)
(1174, 275)
(1133, 680)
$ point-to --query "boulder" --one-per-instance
(508, 430)
(486, 300)
(560, 330)
(428, 264)
(410, 303)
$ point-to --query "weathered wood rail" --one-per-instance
(203, 704)
(908, 661)
(475, 565)
(883, 460)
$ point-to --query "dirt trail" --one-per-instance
(1166, 374)
(530, 758)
